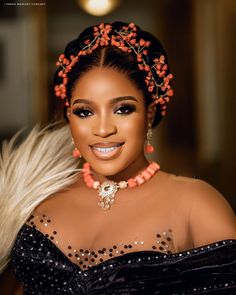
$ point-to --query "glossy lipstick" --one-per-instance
(107, 150)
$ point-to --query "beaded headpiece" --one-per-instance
(157, 77)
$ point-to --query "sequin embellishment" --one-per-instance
(87, 258)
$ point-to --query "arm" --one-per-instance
(9, 284)
(211, 218)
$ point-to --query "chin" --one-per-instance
(109, 168)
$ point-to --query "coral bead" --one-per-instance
(151, 170)
(146, 175)
(139, 179)
(142, 42)
(149, 149)
(76, 153)
(90, 182)
(86, 166)
(131, 182)
(155, 165)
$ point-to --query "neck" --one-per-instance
(132, 170)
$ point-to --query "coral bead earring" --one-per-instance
(149, 148)
(76, 153)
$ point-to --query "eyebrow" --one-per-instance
(113, 100)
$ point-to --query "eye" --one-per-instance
(126, 109)
(82, 112)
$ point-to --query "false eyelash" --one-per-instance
(130, 107)
(78, 111)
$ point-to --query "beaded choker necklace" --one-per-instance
(108, 189)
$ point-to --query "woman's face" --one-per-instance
(108, 120)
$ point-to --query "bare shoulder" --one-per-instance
(210, 216)
(200, 194)
(179, 184)
(195, 191)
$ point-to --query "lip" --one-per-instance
(106, 144)
(107, 150)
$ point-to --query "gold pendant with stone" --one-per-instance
(107, 192)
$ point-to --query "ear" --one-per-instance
(151, 111)
(68, 113)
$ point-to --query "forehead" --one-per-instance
(105, 83)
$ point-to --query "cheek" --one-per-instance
(79, 130)
(134, 129)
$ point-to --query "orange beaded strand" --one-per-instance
(142, 177)
(126, 40)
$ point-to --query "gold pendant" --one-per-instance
(107, 192)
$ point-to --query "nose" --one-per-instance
(104, 127)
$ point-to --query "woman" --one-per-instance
(121, 225)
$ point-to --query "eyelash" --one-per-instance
(81, 110)
(126, 109)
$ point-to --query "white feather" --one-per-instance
(29, 173)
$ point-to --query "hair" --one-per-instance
(112, 57)
(28, 175)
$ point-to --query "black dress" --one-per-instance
(44, 269)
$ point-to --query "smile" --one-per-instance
(107, 150)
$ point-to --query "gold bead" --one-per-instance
(122, 184)
(96, 184)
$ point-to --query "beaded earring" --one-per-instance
(149, 148)
(76, 152)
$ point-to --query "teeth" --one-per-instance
(105, 150)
